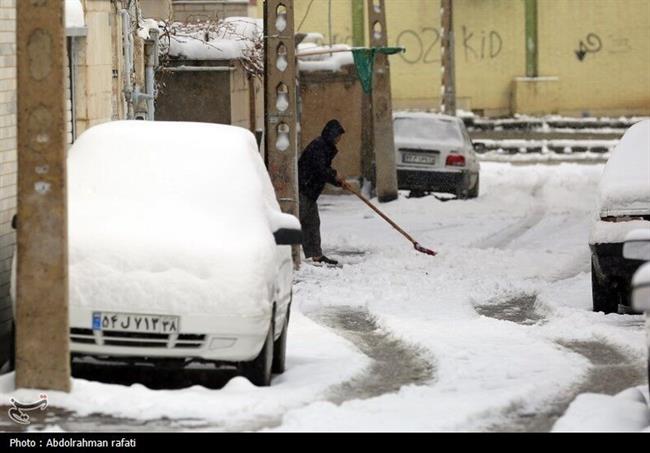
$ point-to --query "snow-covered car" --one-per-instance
(434, 153)
(179, 252)
(624, 206)
(637, 246)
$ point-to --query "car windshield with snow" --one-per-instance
(178, 248)
(624, 206)
(435, 154)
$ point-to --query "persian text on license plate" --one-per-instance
(130, 322)
(410, 158)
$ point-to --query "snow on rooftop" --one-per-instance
(229, 41)
(74, 14)
(625, 186)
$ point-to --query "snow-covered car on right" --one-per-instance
(434, 153)
(624, 206)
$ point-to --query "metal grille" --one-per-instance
(137, 340)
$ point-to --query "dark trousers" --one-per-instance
(310, 221)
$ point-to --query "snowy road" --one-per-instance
(494, 334)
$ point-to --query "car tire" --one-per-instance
(258, 371)
(604, 298)
(280, 347)
(475, 190)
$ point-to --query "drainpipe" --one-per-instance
(150, 77)
(532, 44)
(127, 44)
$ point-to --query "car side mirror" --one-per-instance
(286, 228)
(286, 236)
(637, 245)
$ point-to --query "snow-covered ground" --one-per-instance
(499, 325)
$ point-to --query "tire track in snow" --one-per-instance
(503, 238)
(395, 363)
(611, 370)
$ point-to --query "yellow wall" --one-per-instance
(490, 51)
(612, 80)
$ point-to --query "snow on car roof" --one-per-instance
(625, 185)
(425, 115)
(169, 217)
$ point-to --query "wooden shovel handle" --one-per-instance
(349, 188)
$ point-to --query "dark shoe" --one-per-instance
(326, 260)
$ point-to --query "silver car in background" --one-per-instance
(434, 153)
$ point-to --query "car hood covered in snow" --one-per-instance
(169, 218)
(625, 186)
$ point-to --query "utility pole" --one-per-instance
(42, 330)
(448, 104)
(382, 108)
(280, 104)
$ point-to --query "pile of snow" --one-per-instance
(332, 62)
(178, 226)
(626, 412)
(230, 40)
(625, 187)
(74, 14)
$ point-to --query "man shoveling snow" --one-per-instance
(314, 171)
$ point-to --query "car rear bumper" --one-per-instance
(434, 181)
(201, 337)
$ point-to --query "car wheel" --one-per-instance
(258, 371)
(604, 297)
(475, 190)
(280, 347)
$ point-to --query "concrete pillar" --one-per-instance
(42, 330)
(280, 105)
(382, 109)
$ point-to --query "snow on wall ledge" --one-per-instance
(233, 37)
(74, 14)
(333, 62)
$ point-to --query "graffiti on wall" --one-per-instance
(481, 45)
(423, 46)
(591, 44)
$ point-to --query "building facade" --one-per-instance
(591, 56)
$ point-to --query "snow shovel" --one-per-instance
(417, 246)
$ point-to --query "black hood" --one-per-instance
(332, 130)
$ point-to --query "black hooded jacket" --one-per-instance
(315, 164)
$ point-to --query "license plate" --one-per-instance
(411, 158)
(129, 322)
